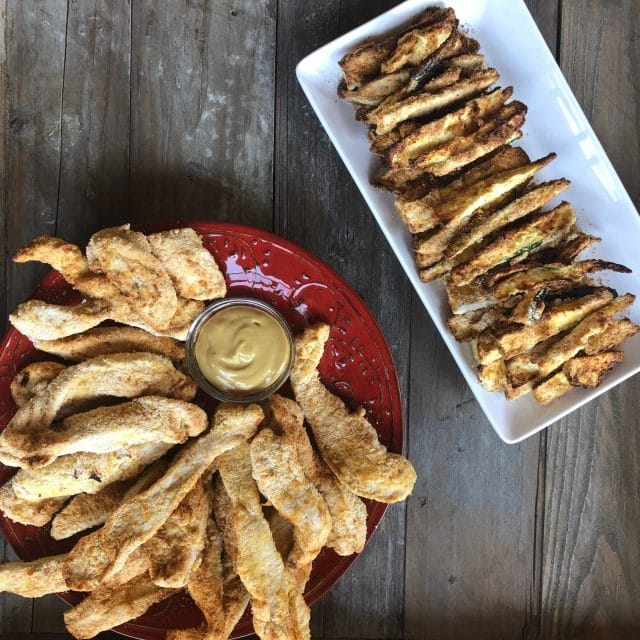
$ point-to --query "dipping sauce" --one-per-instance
(242, 349)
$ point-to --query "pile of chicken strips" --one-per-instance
(536, 319)
(232, 506)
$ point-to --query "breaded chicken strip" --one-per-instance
(100, 613)
(206, 586)
(107, 429)
(104, 340)
(177, 547)
(36, 512)
(86, 472)
(73, 266)
(33, 579)
(87, 510)
(258, 561)
(193, 271)
(40, 320)
(347, 442)
(33, 379)
(123, 375)
(348, 512)
(125, 257)
(103, 553)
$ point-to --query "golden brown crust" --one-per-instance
(347, 441)
(33, 379)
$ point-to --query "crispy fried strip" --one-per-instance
(502, 128)
(40, 320)
(365, 60)
(37, 512)
(258, 561)
(111, 428)
(450, 126)
(95, 614)
(420, 211)
(417, 45)
(282, 480)
(33, 579)
(479, 195)
(588, 371)
(126, 258)
(122, 375)
(33, 379)
(86, 472)
(104, 340)
(577, 339)
(192, 269)
(520, 338)
(372, 93)
(538, 231)
(104, 552)
(347, 441)
(385, 118)
(348, 512)
(583, 371)
(548, 275)
(86, 511)
(533, 199)
(206, 587)
(616, 333)
(177, 546)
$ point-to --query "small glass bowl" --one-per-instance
(192, 363)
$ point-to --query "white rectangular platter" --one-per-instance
(511, 43)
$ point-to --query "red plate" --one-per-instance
(357, 365)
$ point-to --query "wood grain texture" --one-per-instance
(317, 205)
(94, 171)
(34, 97)
(202, 110)
(591, 572)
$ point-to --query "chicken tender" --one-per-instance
(258, 560)
(100, 613)
(177, 547)
(40, 320)
(33, 379)
(125, 257)
(104, 340)
(123, 375)
(347, 442)
(103, 553)
(348, 512)
(86, 511)
(106, 429)
(86, 472)
(281, 479)
(33, 579)
(37, 512)
(192, 269)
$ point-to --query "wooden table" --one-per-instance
(126, 111)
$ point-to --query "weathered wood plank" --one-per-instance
(591, 575)
(202, 110)
(318, 206)
(471, 519)
(31, 130)
(34, 93)
(94, 173)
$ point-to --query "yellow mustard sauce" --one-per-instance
(242, 348)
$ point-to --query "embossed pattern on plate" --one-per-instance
(357, 365)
